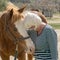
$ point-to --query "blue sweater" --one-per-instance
(45, 43)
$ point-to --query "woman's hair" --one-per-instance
(32, 19)
(40, 15)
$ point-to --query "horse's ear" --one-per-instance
(22, 9)
(11, 13)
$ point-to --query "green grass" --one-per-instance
(53, 18)
(55, 25)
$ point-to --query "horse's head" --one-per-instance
(13, 25)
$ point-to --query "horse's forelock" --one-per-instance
(17, 12)
(11, 15)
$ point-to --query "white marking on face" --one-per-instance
(23, 32)
(20, 28)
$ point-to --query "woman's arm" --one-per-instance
(52, 42)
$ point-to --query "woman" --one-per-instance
(43, 36)
(45, 40)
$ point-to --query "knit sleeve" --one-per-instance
(52, 42)
(32, 34)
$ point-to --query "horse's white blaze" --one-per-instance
(23, 32)
(20, 28)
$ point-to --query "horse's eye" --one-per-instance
(15, 29)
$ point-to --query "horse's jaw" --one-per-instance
(29, 43)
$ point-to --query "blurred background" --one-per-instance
(50, 8)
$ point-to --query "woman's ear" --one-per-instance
(22, 9)
(11, 13)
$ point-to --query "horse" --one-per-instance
(13, 36)
(15, 16)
